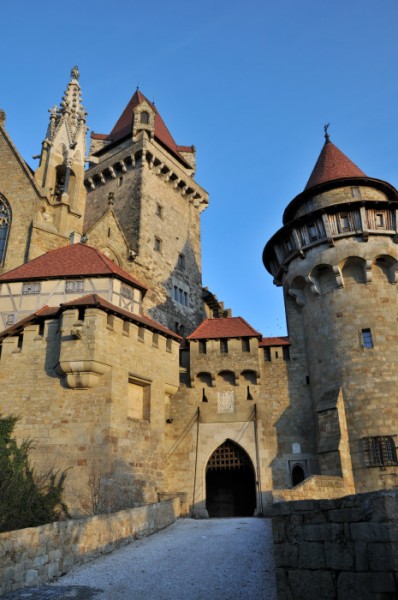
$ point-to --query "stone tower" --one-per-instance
(157, 204)
(60, 176)
(336, 257)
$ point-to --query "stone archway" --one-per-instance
(230, 482)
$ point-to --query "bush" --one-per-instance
(27, 499)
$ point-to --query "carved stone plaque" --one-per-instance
(226, 402)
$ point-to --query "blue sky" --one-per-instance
(250, 83)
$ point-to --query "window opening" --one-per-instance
(245, 345)
(31, 288)
(144, 117)
(159, 210)
(181, 261)
(379, 220)
(120, 181)
(5, 222)
(126, 327)
(168, 345)
(74, 286)
(224, 346)
(204, 397)
(155, 339)
(158, 244)
(298, 475)
(20, 341)
(367, 340)
(267, 354)
(202, 347)
(356, 192)
(109, 320)
(380, 451)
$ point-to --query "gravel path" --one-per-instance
(214, 559)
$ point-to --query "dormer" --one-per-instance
(143, 121)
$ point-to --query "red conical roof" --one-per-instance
(332, 164)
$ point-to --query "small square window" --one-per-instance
(312, 232)
(344, 222)
(367, 340)
(379, 218)
(158, 244)
(202, 347)
(11, 319)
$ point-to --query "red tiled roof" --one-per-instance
(96, 300)
(75, 260)
(275, 341)
(232, 327)
(332, 164)
(89, 300)
(124, 125)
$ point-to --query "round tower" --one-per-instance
(336, 257)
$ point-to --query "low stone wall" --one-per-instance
(316, 486)
(344, 548)
(35, 555)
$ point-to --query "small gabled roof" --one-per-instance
(274, 341)
(75, 260)
(90, 300)
(231, 327)
(332, 164)
(125, 122)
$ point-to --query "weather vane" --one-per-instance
(325, 129)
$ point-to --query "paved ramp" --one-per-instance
(214, 559)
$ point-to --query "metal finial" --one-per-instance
(75, 72)
(111, 197)
(138, 86)
(325, 129)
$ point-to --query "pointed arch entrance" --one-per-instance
(230, 482)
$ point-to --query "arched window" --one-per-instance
(145, 117)
(298, 475)
(5, 224)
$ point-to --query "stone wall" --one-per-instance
(38, 554)
(343, 548)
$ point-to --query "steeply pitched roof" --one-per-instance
(332, 164)
(75, 260)
(91, 300)
(274, 341)
(232, 327)
(125, 122)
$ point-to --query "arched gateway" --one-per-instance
(230, 482)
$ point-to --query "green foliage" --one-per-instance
(27, 499)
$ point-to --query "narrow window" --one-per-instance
(356, 192)
(175, 293)
(312, 232)
(286, 353)
(144, 117)
(120, 181)
(185, 299)
(20, 341)
(5, 222)
(181, 261)
(159, 210)
(155, 339)
(109, 320)
(344, 222)
(367, 340)
(141, 333)
(224, 346)
(267, 354)
(41, 328)
(276, 354)
(168, 345)
(307, 380)
(81, 312)
(245, 345)
(10, 319)
(158, 244)
(126, 327)
(202, 347)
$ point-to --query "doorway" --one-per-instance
(230, 482)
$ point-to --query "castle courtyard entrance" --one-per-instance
(230, 482)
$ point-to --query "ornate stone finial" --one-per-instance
(2, 117)
(75, 73)
(325, 129)
(111, 197)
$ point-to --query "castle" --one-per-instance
(129, 374)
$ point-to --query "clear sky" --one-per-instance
(249, 83)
